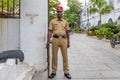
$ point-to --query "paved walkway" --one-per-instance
(89, 59)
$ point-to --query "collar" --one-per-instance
(59, 19)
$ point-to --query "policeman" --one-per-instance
(59, 31)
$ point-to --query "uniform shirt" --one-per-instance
(59, 27)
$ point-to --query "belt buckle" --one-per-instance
(60, 37)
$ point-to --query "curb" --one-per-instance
(94, 37)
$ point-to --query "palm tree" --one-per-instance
(100, 7)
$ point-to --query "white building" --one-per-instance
(28, 33)
(88, 20)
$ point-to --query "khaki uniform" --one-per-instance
(59, 28)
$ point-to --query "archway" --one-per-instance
(110, 20)
(119, 18)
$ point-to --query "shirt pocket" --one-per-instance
(55, 26)
(63, 26)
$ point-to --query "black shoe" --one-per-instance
(52, 75)
(67, 75)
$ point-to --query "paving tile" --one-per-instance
(86, 74)
(101, 79)
(94, 67)
(110, 74)
(89, 59)
(114, 67)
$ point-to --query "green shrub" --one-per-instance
(111, 26)
(99, 34)
(89, 33)
(93, 29)
(108, 35)
(118, 36)
(77, 30)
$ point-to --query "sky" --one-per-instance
(64, 3)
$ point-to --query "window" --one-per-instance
(99, 24)
(9, 8)
(111, 2)
(82, 25)
(110, 20)
(84, 13)
(93, 5)
(90, 8)
(87, 12)
(119, 18)
(118, 1)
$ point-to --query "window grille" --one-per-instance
(10, 9)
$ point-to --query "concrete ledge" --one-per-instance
(22, 71)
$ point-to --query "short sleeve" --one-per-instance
(67, 26)
(51, 25)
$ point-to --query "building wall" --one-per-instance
(91, 20)
(0, 35)
(33, 35)
(27, 33)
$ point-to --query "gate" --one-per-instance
(9, 24)
(9, 34)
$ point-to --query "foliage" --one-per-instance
(111, 27)
(100, 7)
(118, 34)
(78, 30)
(109, 30)
(10, 8)
(99, 34)
(90, 33)
(93, 30)
(72, 15)
(52, 8)
(107, 33)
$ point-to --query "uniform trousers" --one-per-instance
(62, 44)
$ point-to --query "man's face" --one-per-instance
(59, 14)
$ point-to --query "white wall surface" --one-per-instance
(1, 34)
(33, 36)
(9, 34)
(105, 18)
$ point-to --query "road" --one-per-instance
(89, 59)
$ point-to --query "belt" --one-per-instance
(58, 36)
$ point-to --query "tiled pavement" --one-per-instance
(89, 59)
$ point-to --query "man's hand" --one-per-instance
(68, 45)
(48, 44)
(49, 36)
